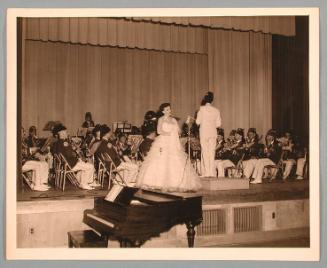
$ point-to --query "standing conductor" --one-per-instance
(209, 120)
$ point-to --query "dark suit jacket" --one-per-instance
(104, 148)
(63, 147)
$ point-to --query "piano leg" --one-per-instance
(190, 234)
(105, 238)
(122, 243)
(125, 243)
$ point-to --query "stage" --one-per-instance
(273, 191)
(260, 215)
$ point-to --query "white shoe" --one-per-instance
(299, 177)
(94, 184)
(40, 189)
(254, 182)
(86, 187)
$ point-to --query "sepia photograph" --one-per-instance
(163, 130)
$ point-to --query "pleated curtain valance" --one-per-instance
(118, 33)
(282, 25)
(180, 34)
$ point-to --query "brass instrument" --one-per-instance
(269, 148)
(227, 145)
(231, 145)
(219, 145)
(75, 143)
(25, 150)
(287, 147)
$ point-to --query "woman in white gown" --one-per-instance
(166, 167)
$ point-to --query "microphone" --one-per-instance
(189, 119)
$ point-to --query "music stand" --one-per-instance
(121, 194)
(81, 132)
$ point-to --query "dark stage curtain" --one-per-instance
(290, 87)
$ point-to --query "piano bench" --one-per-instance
(86, 239)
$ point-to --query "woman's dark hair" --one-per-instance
(163, 106)
(150, 115)
(32, 129)
(96, 129)
(88, 115)
(208, 98)
(104, 129)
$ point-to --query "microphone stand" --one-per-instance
(188, 158)
(189, 142)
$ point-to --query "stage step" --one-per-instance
(213, 183)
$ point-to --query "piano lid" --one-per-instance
(123, 195)
(151, 196)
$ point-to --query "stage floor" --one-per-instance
(276, 190)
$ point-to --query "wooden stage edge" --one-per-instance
(279, 209)
(267, 191)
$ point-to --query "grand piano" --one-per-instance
(133, 216)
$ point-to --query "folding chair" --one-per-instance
(136, 141)
(59, 170)
(69, 173)
(28, 177)
(237, 170)
(102, 171)
(273, 170)
(306, 166)
(113, 173)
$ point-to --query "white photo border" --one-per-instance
(281, 254)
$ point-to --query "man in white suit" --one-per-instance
(209, 119)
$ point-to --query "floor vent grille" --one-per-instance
(247, 219)
(214, 222)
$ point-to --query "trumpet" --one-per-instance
(76, 142)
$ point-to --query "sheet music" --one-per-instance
(114, 192)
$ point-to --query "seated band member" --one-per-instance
(221, 153)
(85, 171)
(40, 168)
(251, 152)
(302, 160)
(32, 139)
(128, 170)
(271, 156)
(288, 153)
(89, 125)
(96, 139)
(150, 135)
(233, 153)
(123, 148)
(88, 121)
(231, 138)
(41, 174)
(150, 121)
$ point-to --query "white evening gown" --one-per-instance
(166, 167)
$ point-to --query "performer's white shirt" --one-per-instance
(209, 119)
